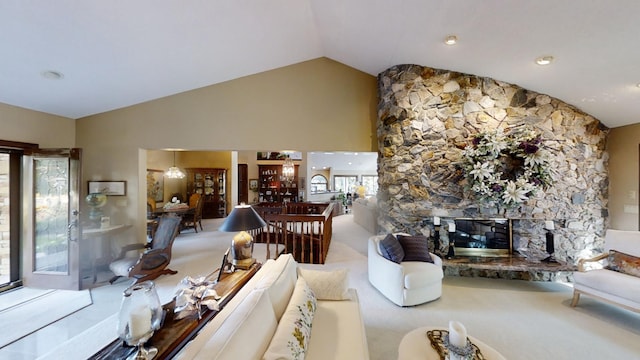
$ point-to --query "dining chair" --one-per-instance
(152, 221)
(194, 218)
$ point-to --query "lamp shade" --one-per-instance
(242, 217)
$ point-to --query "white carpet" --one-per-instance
(520, 319)
(25, 311)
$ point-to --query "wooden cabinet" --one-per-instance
(272, 188)
(212, 184)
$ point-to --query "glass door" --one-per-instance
(52, 254)
(11, 212)
(9, 218)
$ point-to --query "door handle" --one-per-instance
(72, 224)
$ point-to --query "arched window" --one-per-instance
(318, 183)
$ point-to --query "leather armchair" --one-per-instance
(155, 258)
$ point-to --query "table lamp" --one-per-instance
(242, 218)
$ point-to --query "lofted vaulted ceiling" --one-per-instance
(113, 54)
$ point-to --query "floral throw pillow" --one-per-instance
(624, 263)
(291, 340)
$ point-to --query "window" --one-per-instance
(318, 184)
(345, 183)
(370, 183)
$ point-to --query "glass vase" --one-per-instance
(140, 316)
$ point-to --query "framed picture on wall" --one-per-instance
(253, 184)
(110, 188)
(155, 185)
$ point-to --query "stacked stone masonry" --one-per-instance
(427, 116)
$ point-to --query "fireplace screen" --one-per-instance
(483, 237)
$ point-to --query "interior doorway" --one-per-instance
(243, 183)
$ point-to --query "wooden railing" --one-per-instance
(302, 229)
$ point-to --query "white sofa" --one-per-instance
(365, 213)
(407, 283)
(609, 285)
(246, 326)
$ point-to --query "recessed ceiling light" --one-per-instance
(544, 60)
(451, 40)
(638, 85)
(52, 75)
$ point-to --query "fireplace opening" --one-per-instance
(483, 237)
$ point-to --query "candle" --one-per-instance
(549, 225)
(457, 334)
(436, 220)
(139, 322)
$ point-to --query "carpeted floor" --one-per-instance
(522, 320)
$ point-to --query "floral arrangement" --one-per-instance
(506, 170)
(192, 294)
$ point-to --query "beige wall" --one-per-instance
(314, 105)
(46, 130)
(623, 146)
(318, 105)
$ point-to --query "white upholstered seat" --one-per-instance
(408, 283)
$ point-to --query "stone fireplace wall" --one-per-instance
(427, 116)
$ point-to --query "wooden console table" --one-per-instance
(100, 238)
(174, 334)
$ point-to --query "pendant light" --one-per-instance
(174, 172)
(288, 170)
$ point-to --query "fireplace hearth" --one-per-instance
(514, 267)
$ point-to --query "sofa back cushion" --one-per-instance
(252, 319)
(327, 284)
(279, 282)
(624, 241)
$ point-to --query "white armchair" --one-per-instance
(408, 283)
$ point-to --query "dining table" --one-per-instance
(152, 219)
(177, 210)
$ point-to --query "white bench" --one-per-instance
(607, 285)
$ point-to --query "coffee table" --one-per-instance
(415, 345)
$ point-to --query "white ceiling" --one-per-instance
(365, 163)
(118, 53)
